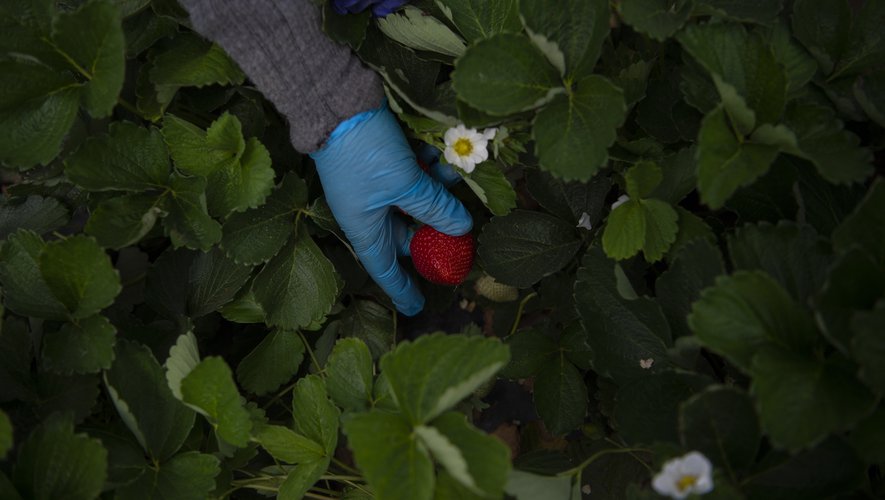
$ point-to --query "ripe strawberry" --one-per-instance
(442, 259)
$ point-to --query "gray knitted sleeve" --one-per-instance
(313, 81)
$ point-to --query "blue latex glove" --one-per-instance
(367, 170)
(380, 8)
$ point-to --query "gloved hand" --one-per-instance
(367, 169)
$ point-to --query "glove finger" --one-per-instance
(431, 203)
(377, 248)
(445, 174)
(439, 170)
(402, 236)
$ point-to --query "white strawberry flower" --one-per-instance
(466, 147)
(689, 474)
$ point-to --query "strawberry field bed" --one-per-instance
(678, 289)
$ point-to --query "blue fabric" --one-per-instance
(380, 8)
(367, 170)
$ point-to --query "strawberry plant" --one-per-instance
(679, 284)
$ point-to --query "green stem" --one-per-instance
(346, 467)
(519, 311)
(577, 470)
(336, 477)
(310, 352)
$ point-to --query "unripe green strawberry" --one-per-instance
(442, 259)
(487, 287)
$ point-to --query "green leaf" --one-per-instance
(412, 28)
(571, 35)
(527, 486)
(315, 416)
(822, 140)
(478, 19)
(83, 347)
(297, 287)
(256, 235)
(388, 453)
(473, 458)
(725, 163)
(25, 290)
(349, 29)
(5, 434)
(864, 227)
(621, 331)
(273, 362)
(800, 66)
(492, 188)
(868, 346)
(288, 446)
(572, 134)
(530, 351)
(435, 372)
(747, 311)
(213, 280)
(793, 255)
(647, 409)
(349, 374)
(56, 463)
(146, 28)
(505, 74)
(186, 476)
(569, 200)
(523, 247)
(647, 225)
(743, 69)
(411, 78)
(301, 478)
(184, 356)
(659, 19)
(243, 185)
(201, 152)
(855, 282)
(370, 322)
(38, 105)
(243, 309)
(141, 394)
(192, 62)
(869, 91)
(36, 213)
(802, 399)
(822, 472)
(188, 223)
(868, 437)
(123, 221)
(721, 423)
(642, 179)
(128, 158)
(560, 395)
(91, 38)
(16, 357)
(80, 275)
(210, 387)
(695, 268)
(758, 11)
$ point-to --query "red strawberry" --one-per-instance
(442, 259)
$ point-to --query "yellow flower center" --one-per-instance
(463, 147)
(686, 482)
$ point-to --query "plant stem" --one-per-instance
(577, 469)
(318, 497)
(346, 467)
(336, 477)
(310, 352)
(519, 311)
